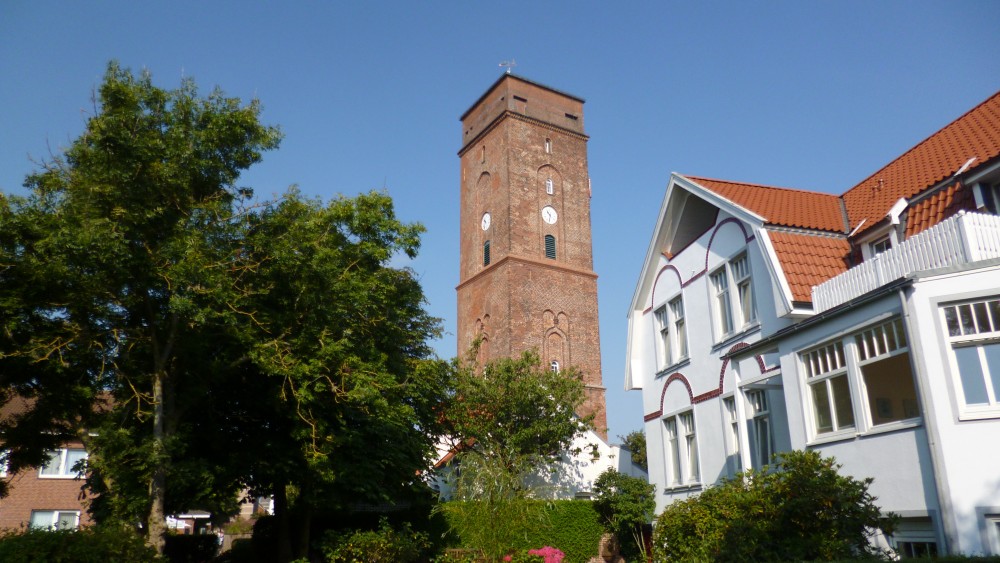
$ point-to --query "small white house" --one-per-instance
(864, 325)
(572, 477)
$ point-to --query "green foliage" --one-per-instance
(88, 545)
(384, 545)
(800, 509)
(635, 443)
(508, 420)
(263, 345)
(625, 504)
(572, 526)
(516, 408)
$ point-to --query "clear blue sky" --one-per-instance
(814, 95)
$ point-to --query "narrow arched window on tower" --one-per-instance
(548, 146)
(550, 187)
(550, 247)
(554, 366)
(482, 154)
(486, 253)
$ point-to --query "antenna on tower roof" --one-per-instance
(508, 65)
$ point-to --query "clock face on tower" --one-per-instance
(486, 221)
(549, 214)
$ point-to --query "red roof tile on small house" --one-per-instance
(782, 206)
(809, 260)
(975, 134)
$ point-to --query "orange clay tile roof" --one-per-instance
(939, 206)
(809, 260)
(975, 134)
(782, 206)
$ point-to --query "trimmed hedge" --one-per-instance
(573, 528)
(87, 545)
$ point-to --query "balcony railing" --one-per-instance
(960, 239)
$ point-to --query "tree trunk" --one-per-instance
(283, 549)
(157, 523)
(304, 523)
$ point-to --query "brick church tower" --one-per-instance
(527, 276)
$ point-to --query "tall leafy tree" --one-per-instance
(114, 265)
(211, 343)
(508, 421)
(635, 443)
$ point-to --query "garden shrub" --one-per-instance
(384, 545)
(800, 509)
(571, 526)
(87, 545)
(625, 506)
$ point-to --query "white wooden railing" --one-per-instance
(960, 239)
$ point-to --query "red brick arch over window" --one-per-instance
(711, 394)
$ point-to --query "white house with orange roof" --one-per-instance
(864, 325)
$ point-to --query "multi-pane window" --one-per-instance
(884, 362)
(974, 333)
(554, 366)
(690, 445)
(723, 308)
(672, 345)
(880, 246)
(550, 247)
(677, 313)
(826, 375)
(869, 369)
(740, 268)
(673, 452)
(663, 325)
(763, 444)
(61, 463)
(732, 435)
(486, 253)
(55, 519)
(734, 309)
(549, 186)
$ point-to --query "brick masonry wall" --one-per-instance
(30, 492)
(523, 300)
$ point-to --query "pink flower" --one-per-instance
(551, 554)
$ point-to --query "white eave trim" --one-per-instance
(734, 209)
(777, 272)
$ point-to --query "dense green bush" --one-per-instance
(88, 545)
(385, 545)
(625, 506)
(572, 526)
(800, 509)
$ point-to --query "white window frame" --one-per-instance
(664, 349)
(65, 461)
(671, 327)
(760, 420)
(734, 305)
(554, 366)
(844, 358)
(676, 306)
(734, 444)
(974, 325)
(550, 187)
(56, 515)
(682, 467)
(880, 245)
